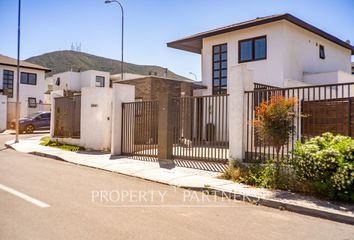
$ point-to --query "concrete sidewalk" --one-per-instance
(193, 179)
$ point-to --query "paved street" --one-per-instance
(86, 203)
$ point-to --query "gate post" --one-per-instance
(165, 131)
(121, 93)
(241, 80)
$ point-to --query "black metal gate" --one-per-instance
(327, 108)
(140, 128)
(200, 128)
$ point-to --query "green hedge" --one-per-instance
(327, 161)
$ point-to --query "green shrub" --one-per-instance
(274, 124)
(46, 141)
(259, 175)
(327, 161)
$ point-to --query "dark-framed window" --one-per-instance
(57, 82)
(28, 78)
(219, 69)
(8, 83)
(99, 81)
(322, 52)
(252, 49)
(32, 102)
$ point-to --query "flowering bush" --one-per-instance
(328, 162)
(274, 123)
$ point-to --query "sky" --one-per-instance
(52, 25)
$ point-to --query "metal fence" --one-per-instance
(67, 117)
(200, 128)
(140, 128)
(319, 109)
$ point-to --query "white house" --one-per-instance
(32, 85)
(281, 50)
(74, 81)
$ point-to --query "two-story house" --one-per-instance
(74, 81)
(281, 50)
(32, 85)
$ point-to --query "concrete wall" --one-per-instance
(241, 79)
(328, 78)
(101, 117)
(3, 112)
(121, 93)
(96, 119)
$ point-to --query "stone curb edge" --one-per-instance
(232, 195)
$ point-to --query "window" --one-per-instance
(322, 52)
(220, 69)
(99, 81)
(32, 102)
(45, 116)
(57, 82)
(252, 49)
(8, 83)
(28, 78)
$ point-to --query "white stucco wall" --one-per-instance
(241, 80)
(3, 112)
(301, 54)
(292, 52)
(268, 71)
(88, 78)
(26, 90)
(68, 81)
(121, 93)
(328, 78)
(96, 118)
(74, 81)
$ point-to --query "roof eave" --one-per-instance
(181, 43)
(47, 70)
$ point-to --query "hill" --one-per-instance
(62, 61)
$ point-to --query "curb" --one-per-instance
(278, 205)
(232, 195)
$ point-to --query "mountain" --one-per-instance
(62, 61)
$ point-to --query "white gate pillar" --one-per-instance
(3, 112)
(121, 93)
(240, 79)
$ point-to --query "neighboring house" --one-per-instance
(75, 81)
(281, 50)
(148, 88)
(32, 85)
(49, 89)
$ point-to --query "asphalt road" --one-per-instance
(86, 203)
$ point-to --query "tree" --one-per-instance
(274, 123)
